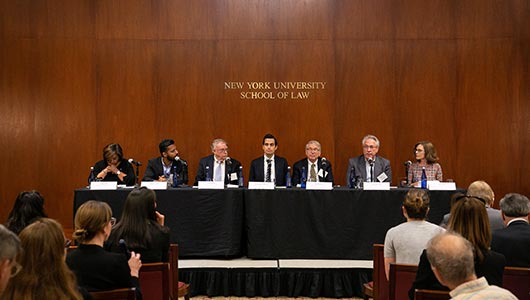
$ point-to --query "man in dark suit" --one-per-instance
(514, 240)
(218, 166)
(369, 167)
(314, 167)
(269, 167)
(162, 167)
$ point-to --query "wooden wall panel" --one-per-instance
(76, 75)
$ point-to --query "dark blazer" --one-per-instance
(208, 161)
(156, 251)
(514, 242)
(155, 169)
(358, 163)
(124, 167)
(257, 170)
(297, 171)
(100, 270)
(492, 267)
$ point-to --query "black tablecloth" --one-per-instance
(337, 224)
(276, 224)
(205, 223)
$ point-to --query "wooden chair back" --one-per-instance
(379, 276)
(177, 289)
(431, 295)
(400, 280)
(118, 294)
(154, 281)
(517, 281)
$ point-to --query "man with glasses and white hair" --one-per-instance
(9, 248)
(369, 167)
(314, 167)
(218, 166)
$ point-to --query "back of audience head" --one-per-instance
(451, 257)
(470, 219)
(416, 204)
(138, 212)
(90, 219)
(481, 190)
(515, 205)
(28, 206)
(9, 249)
(44, 273)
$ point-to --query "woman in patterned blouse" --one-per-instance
(426, 157)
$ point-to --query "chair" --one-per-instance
(378, 288)
(178, 289)
(431, 295)
(517, 281)
(118, 294)
(400, 280)
(154, 281)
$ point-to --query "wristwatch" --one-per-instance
(118, 173)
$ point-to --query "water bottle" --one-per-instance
(303, 179)
(423, 179)
(288, 183)
(91, 176)
(208, 176)
(240, 179)
(175, 182)
(352, 178)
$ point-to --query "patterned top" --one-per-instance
(480, 289)
(433, 172)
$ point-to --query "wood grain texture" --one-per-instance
(77, 75)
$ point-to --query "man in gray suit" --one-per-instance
(369, 167)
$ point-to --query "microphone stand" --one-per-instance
(137, 174)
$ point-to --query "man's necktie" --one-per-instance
(269, 164)
(313, 173)
(372, 173)
(218, 172)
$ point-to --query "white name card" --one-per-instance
(103, 185)
(155, 185)
(260, 185)
(441, 186)
(311, 185)
(376, 186)
(211, 185)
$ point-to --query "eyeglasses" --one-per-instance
(15, 268)
(418, 150)
(112, 221)
(313, 149)
(222, 150)
(67, 243)
(369, 147)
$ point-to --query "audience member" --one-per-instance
(469, 219)
(28, 207)
(452, 261)
(314, 167)
(114, 167)
(425, 155)
(226, 169)
(9, 249)
(514, 240)
(369, 166)
(141, 227)
(95, 268)
(405, 242)
(161, 168)
(44, 274)
(269, 167)
(482, 191)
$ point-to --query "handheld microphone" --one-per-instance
(124, 249)
(134, 162)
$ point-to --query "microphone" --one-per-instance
(371, 162)
(407, 163)
(324, 161)
(228, 161)
(134, 162)
(124, 249)
(177, 158)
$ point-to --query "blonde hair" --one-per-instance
(482, 190)
(91, 218)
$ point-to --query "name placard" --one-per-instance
(211, 185)
(103, 185)
(311, 185)
(376, 186)
(155, 185)
(260, 185)
(441, 186)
